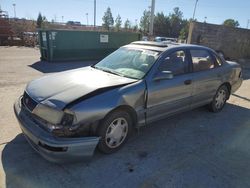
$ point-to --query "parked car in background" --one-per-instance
(166, 39)
(66, 115)
(144, 38)
(73, 23)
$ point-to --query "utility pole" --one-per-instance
(87, 18)
(14, 6)
(94, 13)
(55, 18)
(151, 25)
(195, 9)
(248, 22)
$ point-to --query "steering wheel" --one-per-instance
(137, 62)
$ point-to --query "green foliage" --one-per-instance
(135, 28)
(108, 20)
(161, 25)
(144, 22)
(172, 25)
(231, 23)
(183, 35)
(41, 21)
(118, 23)
(127, 25)
(176, 24)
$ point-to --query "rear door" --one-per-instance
(166, 97)
(206, 76)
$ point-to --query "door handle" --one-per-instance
(187, 82)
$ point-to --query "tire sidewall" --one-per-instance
(213, 106)
(102, 129)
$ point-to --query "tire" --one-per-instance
(219, 100)
(114, 131)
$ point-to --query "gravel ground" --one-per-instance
(193, 149)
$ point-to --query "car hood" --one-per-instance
(58, 90)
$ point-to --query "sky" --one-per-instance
(215, 11)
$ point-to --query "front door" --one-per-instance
(168, 96)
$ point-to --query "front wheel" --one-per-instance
(114, 131)
(219, 99)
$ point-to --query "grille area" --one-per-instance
(28, 102)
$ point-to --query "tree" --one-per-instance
(135, 28)
(177, 13)
(144, 22)
(44, 22)
(231, 23)
(172, 25)
(183, 35)
(127, 25)
(108, 20)
(175, 22)
(161, 25)
(39, 20)
(118, 23)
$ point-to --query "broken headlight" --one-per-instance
(54, 116)
(68, 118)
(49, 114)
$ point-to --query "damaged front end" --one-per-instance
(55, 139)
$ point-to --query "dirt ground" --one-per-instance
(193, 149)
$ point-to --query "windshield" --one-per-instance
(128, 62)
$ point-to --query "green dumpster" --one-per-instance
(65, 45)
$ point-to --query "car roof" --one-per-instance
(162, 46)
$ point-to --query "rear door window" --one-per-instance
(202, 60)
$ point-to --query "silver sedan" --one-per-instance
(67, 115)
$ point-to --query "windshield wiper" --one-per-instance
(108, 70)
(114, 72)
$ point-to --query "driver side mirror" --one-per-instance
(163, 75)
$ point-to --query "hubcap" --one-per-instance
(116, 132)
(220, 99)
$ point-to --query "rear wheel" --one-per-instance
(219, 99)
(114, 131)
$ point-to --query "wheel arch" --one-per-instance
(128, 109)
(104, 125)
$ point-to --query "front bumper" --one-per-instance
(53, 148)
